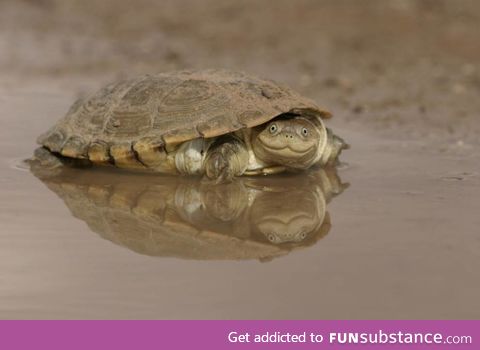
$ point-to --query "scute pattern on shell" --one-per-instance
(173, 107)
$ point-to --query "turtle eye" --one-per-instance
(273, 128)
(304, 131)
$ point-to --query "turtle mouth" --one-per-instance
(287, 151)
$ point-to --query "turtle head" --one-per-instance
(296, 142)
(293, 141)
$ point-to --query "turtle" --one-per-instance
(217, 123)
(184, 217)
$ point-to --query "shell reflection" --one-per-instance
(250, 218)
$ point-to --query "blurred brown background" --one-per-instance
(409, 68)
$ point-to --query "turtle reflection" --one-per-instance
(250, 218)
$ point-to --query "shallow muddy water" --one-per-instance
(402, 241)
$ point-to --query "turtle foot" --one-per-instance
(220, 165)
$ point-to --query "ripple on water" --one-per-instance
(20, 163)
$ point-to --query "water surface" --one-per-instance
(401, 242)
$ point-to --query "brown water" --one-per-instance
(401, 242)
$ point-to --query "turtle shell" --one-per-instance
(171, 108)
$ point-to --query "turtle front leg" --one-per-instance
(226, 158)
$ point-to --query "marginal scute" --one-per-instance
(53, 140)
(75, 147)
(124, 156)
(312, 112)
(46, 160)
(148, 143)
(250, 117)
(181, 135)
(215, 126)
(151, 152)
(98, 152)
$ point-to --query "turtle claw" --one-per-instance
(220, 165)
(218, 168)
